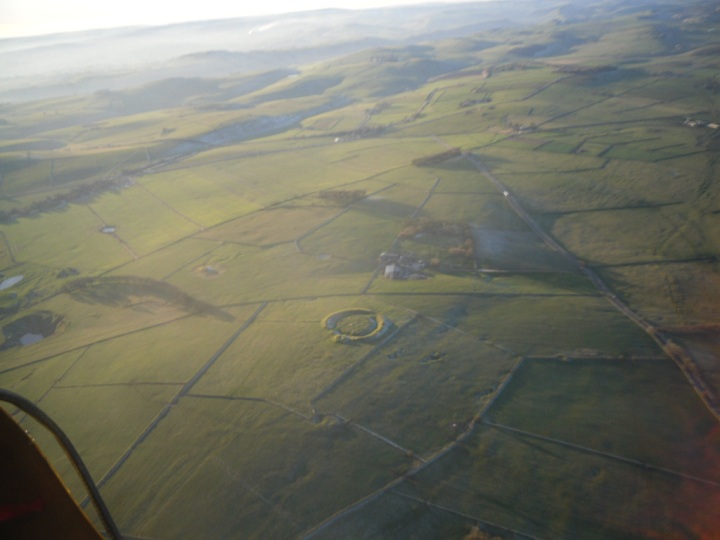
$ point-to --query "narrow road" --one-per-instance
(678, 355)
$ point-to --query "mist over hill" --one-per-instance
(83, 62)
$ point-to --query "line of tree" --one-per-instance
(691, 330)
(436, 158)
(584, 70)
(448, 229)
(343, 196)
(359, 133)
(52, 201)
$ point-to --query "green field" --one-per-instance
(549, 366)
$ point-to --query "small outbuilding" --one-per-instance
(392, 271)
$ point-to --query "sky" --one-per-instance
(34, 17)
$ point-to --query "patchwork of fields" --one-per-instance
(551, 369)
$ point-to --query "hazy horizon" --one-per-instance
(44, 17)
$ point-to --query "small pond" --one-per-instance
(9, 282)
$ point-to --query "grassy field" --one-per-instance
(513, 392)
(438, 381)
(505, 477)
(625, 408)
(563, 324)
(252, 491)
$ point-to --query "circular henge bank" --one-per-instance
(357, 324)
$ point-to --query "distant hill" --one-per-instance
(83, 62)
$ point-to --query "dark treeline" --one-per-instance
(342, 196)
(53, 201)
(436, 158)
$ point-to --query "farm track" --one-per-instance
(678, 357)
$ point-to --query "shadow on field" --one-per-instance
(119, 292)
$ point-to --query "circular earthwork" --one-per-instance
(356, 324)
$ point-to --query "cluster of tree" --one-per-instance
(432, 227)
(386, 57)
(463, 250)
(342, 196)
(436, 158)
(696, 329)
(52, 201)
(477, 534)
(711, 84)
(359, 133)
(520, 127)
(380, 107)
(513, 66)
(471, 102)
(584, 70)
